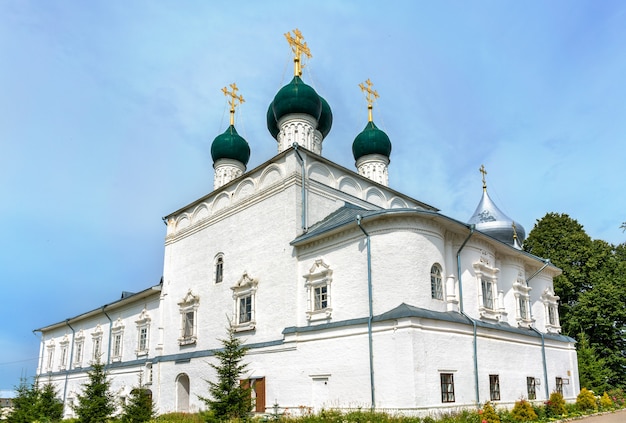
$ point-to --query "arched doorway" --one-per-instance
(182, 393)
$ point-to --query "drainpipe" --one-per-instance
(543, 339)
(371, 312)
(458, 270)
(71, 360)
(304, 204)
(110, 327)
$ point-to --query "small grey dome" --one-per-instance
(489, 219)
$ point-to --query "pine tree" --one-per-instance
(96, 404)
(229, 397)
(139, 407)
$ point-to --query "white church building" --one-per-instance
(347, 293)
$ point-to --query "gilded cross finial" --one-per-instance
(299, 47)
(514, 230)
(370, 95)
(484, 172)
(234, 101)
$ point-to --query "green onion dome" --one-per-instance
(325, 121)
(230, 145)
(371, 141)
(298, 97)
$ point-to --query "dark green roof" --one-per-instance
(298, 97)
(230, 145)
(371, 141)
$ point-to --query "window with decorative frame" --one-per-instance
(436, 282)
(96, 338)
(244, 303)
(318, 284)
(531, 388)
(117, 335)
(188, 310)
(494, 387)
(551, 306)
(218, 273)
(487, 290)
(50, 354)
(447, 387)
(143, 333)
(147, 373)
(64, 352)
(522, 302)
(79, 348)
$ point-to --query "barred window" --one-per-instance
(447, 387)
(530, 387)
(494, 387)
(436, 286)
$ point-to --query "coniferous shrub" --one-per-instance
(555, 406)
(139, 408)
(586, 401)
(489, 414)
(96, 403)
(606, 403)
(523, 411)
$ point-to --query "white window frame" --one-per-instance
(147, 373)
(320, 276)
(79, 347)
(50, 352)
(189, 307)
(486, 275)
(551, 309)
(64, 352)
(246, 287)
(96, 343)
(143, 325)
(522, 302)
(436, 282)
(117, 338)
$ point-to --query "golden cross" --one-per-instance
(371, 96)
(234, 98)
(514, 230)
(484, 172)
(299, 47)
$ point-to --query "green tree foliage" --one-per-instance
(592, 370)
(229, 398)
(96, 404)
(139, 408)
(555, 407)
(34, 403)
(593, 293)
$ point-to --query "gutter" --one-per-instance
(69, 364)
(371, 312)
(543, 339)
(458, 269)
(41, 349)
(304, 203)
(110, 328)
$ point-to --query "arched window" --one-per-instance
(436, 285)
(182, 393)
(219, 268)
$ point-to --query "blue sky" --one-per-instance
(108, 110)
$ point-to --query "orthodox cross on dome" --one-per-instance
(234, 101)
(371, 95)
(484, 172)
(299, 47)
(514, 230)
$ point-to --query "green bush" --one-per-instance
(555, 407)
(523, 411)
(617, 396)
(489, 414)
(586, 401)
(605, 402)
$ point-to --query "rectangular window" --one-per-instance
(117, 345)
(321, 297)
(63, 357)
(143, 338)
(523, 310)
(487, 287)
(447, 387)
(79, 354)
(530, 387)
(494, 387)
(97, 345)
(551, 315)
(188, 324)
(245, 309)
(50, 358)
(559, 385)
